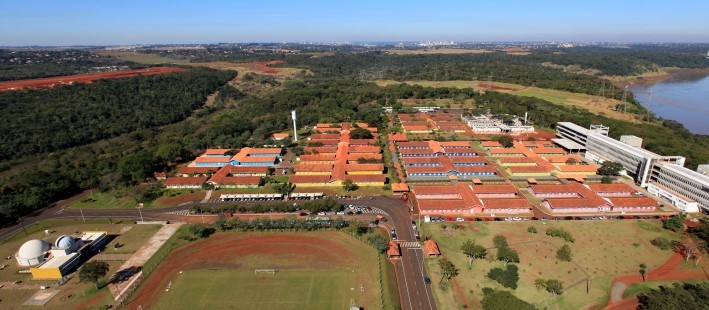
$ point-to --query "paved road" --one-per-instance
(414, 293)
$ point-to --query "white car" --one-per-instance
(460, 219)
(516, 218)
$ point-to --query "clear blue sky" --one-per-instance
(39, 22)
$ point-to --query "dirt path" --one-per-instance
(669, 271)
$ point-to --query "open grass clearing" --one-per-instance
(594, 104)
(143, 58)
(603, 250)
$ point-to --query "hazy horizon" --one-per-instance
(44, 23)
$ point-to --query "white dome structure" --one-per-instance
(64, 242)
(32, 252)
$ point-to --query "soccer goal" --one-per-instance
(260, 271)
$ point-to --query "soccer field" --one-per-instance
(241, 289)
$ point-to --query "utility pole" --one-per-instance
(82, 215)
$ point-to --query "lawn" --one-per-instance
(603, 250)
(141, 58)
(119, 199)
(316, 270)
(132, 240)
(241, 289)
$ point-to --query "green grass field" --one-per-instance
(148, 59)
(603, 249)
(288, 289)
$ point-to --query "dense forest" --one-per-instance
(32, 64)
(128, 159)
(624, 61)
(36, 122)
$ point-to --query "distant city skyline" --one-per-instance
(184, 22)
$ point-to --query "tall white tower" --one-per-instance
(295, 127)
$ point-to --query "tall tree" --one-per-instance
(499, 241)
(643, 270)
(447, 268)
(93, 271)
(473, 251)
(507, 255)
(554, 286)
(610, 168)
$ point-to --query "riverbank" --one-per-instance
(653, 77)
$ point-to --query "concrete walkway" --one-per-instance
(129, 271)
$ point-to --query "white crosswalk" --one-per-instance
(410, 244)
(374, 210)
(182, 212)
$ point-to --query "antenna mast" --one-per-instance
(295, 127)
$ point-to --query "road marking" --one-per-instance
(410, 244)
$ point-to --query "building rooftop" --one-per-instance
(506, 203)
(185, 181)
(688, 173)
(313, 167)
(601, 188)
(309, 179)
(633, 202)
(494, 189)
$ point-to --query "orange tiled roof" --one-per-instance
(295, 179)
(313, 168)
(399, 187)
(185, 181)
(216, 151)
(197, 170)
(364, 167)
(494, 189)
(258, 159)
(393, 249)
(364, 149)
(577, 168)
(528, 169)
(219, 159)
(431, 247)
(317, 157)
(507, 203)
(611, 188)
(410, 144)
(633, 202)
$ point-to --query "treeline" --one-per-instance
(498, 67)
(624, 61)
(664, 137)
(20, 65)
(37, 122)
(314, 206)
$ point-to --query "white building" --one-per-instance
(488, 124)
(637, 162)
(686, 189)
(32, 253)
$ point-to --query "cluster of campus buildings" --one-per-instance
(426, 123)
(49, 261)
(490, 124)
(223, 168)
(663, 176)
(332, 157)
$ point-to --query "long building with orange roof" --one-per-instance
(340, 159)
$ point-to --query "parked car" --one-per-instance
(460, 219)
(427, 280)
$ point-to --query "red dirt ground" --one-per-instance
(176, 200)
(667, 272)
(493, 87)
(82, 78)
(226, 250)
(263, 66)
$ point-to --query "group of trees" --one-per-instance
(561, 233)
(506, 277)
(676, 297)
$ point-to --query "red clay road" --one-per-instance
(669, 271)
(82, 78)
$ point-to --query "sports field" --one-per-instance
(315, 270)
(288, 289)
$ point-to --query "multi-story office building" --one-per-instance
(636, 161)
(686, 189)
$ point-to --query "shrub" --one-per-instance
(508, 278)
(662, 243)
(561, 233)
(532, 229)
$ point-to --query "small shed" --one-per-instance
(430, 248)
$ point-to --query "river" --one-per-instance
(683, 98)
